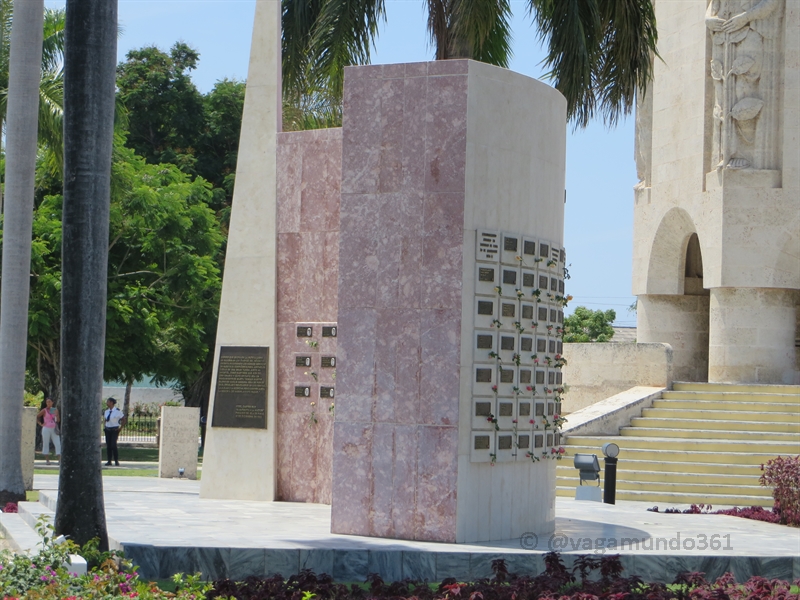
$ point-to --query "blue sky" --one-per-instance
(600, 167)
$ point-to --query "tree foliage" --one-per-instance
(163, 275)
(587, 325)
(599, 52)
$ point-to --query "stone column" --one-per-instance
(682, 322)
(752, 335)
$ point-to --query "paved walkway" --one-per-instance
(165, 527)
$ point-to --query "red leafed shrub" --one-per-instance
(757, 513)
(782, 474)
(10, 507)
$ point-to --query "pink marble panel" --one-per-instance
(446, 134)
(419, 69)
(442, 256)
(414, 124)
(440, 371)
(382, 480)
(359, 215)
(361, 137)
(320, 186)
(309, 284)
(436, 484)
(289, 184)
(443, 211)
(405, 481)
(391, 177)
(358, 272)
(329, 308)
(324, 458)
(397, 367)
(448, 67)
(355, 374)
(289, 276)
(352, 480)
(353, 74)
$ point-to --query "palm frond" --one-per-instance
(53, 41)
(51, 115)
(342, 36)
(481, 28)
(572, 31)
(626, 55)
(439, 27)
(298, 19)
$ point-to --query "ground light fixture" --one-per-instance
(588, 470)
(610, 451)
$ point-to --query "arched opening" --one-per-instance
(693, 269)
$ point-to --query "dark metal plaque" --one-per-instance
(561, 316)
(560, 347)
(544, 250)
(303, 331)
(539, 376)
(483, 409)
(524, 442)
(525, 344)
(542, 314)
(240, 399)
(506, 376)
(481, 442)
(538, 439)
(560, 286)
(553, 284)
(510, 244)
(326, 392)
(527, 311)
(524, 409)
(551, 378)
(485, 307)
(551, 407)
(504, 442)
(553, 315)
(529, 247)
(506, 409)
(486, 274)
(483, 375)
(524, 376)
(506, 343)
(329, 331)
(539, 409)
(549, 439)
(509, 277)
(528, 280)
(302, 361)
(302, 391)
(509, 310)
(552, 345)
(559, 378)
(485, 342)
(541, 345)
(328, 362)
(543, 282)
(557, 439)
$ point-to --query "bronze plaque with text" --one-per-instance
(241, 394)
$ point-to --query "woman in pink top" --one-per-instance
(48, 418)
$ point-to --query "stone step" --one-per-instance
(19, 535)
(711, 434)
(671, 455)
(691, 421)
(693, 468)
(730, 389)
(721, 477)
(674, 498)
(684, 488)
(733, 397)
(713, 409)
(760, 449)
(32, 511)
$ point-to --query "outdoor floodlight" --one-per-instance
(588, 467)
(610, 450)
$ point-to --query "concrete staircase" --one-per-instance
(699, 443)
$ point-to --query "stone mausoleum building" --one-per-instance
(717, 210)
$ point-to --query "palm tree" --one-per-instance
(89, 82)
(598, 51)
(23, 104)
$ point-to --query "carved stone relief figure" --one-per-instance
(745, 64)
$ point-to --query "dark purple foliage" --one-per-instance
(555, 583)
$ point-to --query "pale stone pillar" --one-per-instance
(682, 322)
(178, 441)
(28, 444)
(752, 335)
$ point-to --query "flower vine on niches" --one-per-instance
(493, 420)
(548, 360)
(516, 359)
(519, 327)
(498, 290)
(493, 458)
(516, 391)
(532, 390)
(496, 322)
(557, 453)
(494, 389)
(532, 456)
(560, 361)
(520, 293)
(493, 354)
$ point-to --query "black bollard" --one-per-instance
(610, 484)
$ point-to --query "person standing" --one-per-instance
(113, 421)
(49, 419)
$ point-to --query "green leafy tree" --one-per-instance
(598, 51)
(587, 325)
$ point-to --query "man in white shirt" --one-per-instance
(113, 421)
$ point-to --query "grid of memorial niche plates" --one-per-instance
(518, 316)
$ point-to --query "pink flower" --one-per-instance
(494, 388)
(532, 422)
(555, 416)
(513, 420)
(562, 450)
(529, 388)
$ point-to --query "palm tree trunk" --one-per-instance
(25, 68)
(89, 78)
